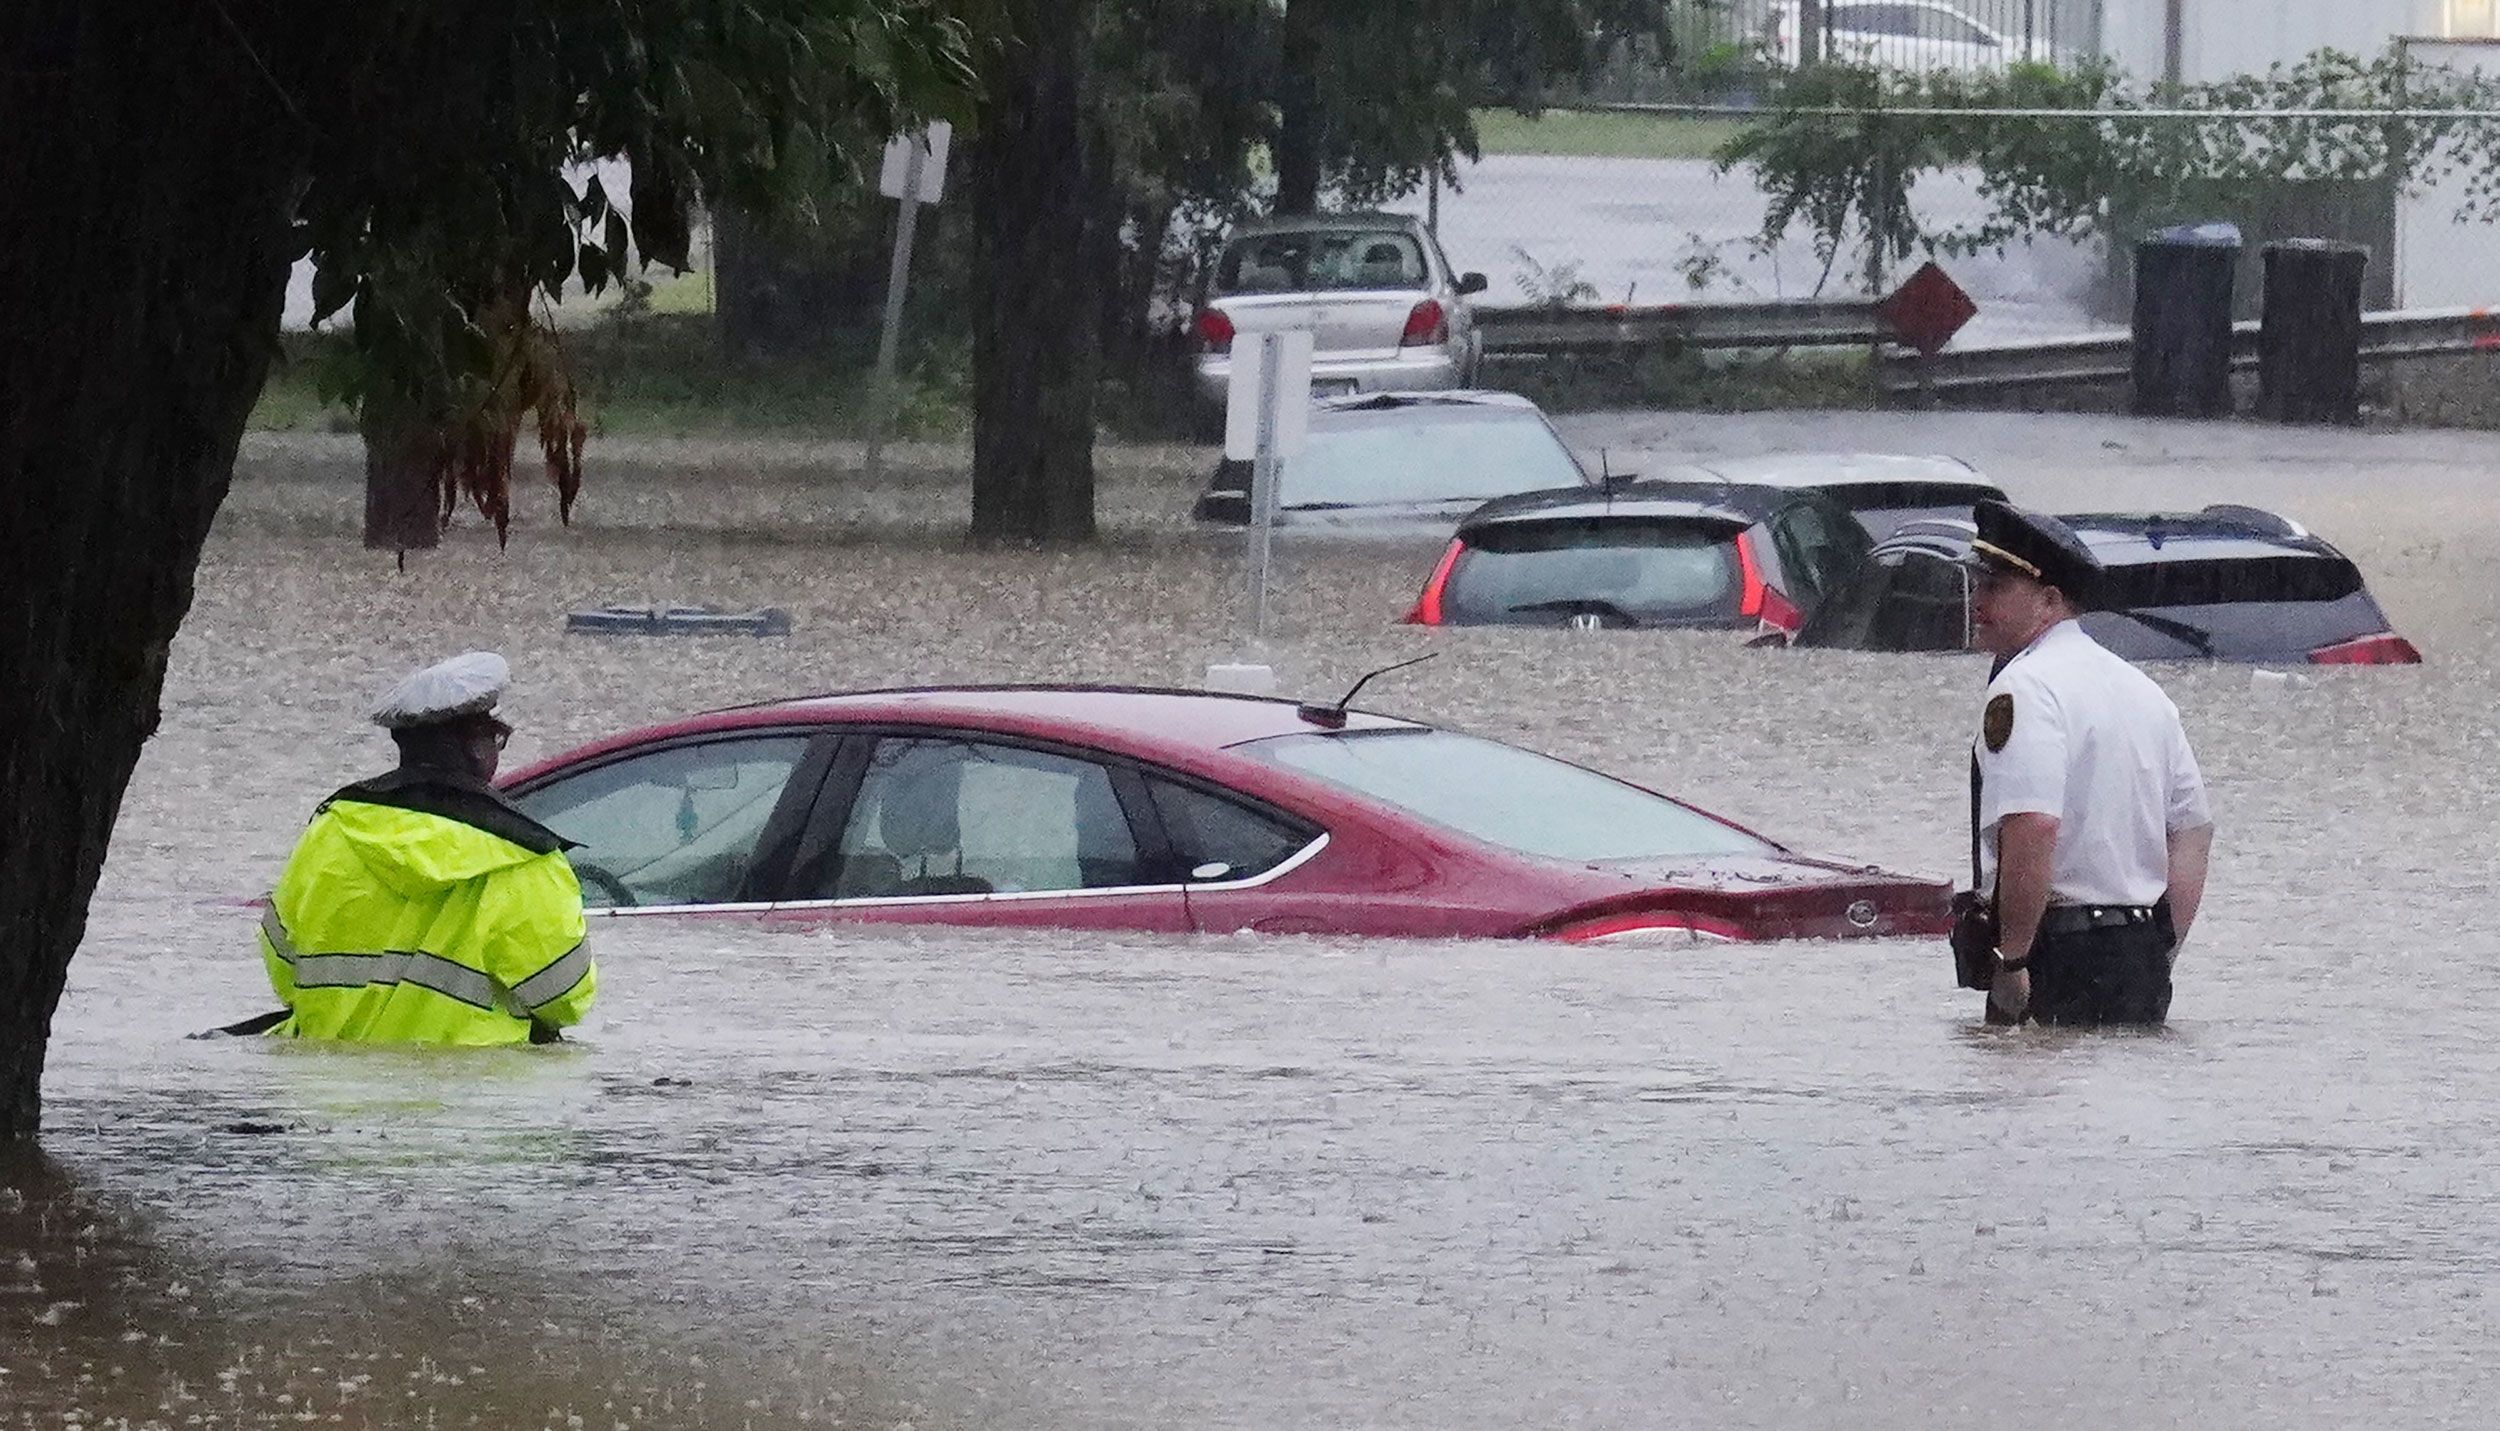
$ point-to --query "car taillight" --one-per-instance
(1750, 571)
(1215, 331)
(1427, 610)
(1658, 926)
(2384, 649)
(1780, 615)
(1428, 323)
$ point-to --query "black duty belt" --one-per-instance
(2080, 918)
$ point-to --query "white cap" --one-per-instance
(467, 684)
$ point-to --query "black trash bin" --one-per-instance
(2309, 343)
(2183, 320)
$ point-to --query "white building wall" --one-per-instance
(2222, 38)
(2440, 262)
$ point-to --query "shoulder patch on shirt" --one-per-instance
(1996, 726)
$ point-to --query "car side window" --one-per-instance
(1208, 831)
(936, 816)
(1819, 548)
(676, 826)
(1925, 608)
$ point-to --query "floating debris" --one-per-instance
(659, 620)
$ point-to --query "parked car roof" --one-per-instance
(2118, 537)
(1387, 462)
(1326, 411)
(1143, 719)
(2144, 538)
(1359, 220)
(1883, 490)
(1829, 469)
(1733, 504)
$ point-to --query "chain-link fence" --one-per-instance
(2033, 212)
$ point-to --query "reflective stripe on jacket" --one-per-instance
(394, 925)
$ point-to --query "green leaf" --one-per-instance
(333, 287)
(660, 226)
(617, 241)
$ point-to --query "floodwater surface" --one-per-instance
(1065, 1180)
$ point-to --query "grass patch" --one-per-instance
(1693, 381)
(1582, 133)
(291, 400)
(683, 293)
(664, 374)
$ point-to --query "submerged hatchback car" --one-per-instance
(2227, 584)
(1403, 461)
(1645, 554)
(1386, 312)
(1117, 808)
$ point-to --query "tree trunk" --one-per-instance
(403, 507)
(1301, 119)
(143, 263)
(1039, 261)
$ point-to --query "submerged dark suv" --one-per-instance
(2227, 583)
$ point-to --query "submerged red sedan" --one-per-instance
(1133, 809)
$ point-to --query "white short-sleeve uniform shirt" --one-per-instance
(2073, 731)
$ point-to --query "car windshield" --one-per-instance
(1653, 572)
(1425, 454)
(1319, 261)
(1506, 796)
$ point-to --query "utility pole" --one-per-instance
(1810, 32)
(2174, 42)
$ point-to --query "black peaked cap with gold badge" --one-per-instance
(2035, 545)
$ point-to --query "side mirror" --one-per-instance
(1472, 283)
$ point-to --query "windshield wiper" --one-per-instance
(2195, 636)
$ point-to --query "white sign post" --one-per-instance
(915, 173)
(1267, 415)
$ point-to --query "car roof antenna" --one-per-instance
(1333, 717)
(1608, 479)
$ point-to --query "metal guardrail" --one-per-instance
(2105, 356)
(2110, 356)
(1791, 324)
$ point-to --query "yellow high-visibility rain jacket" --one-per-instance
(422, 907)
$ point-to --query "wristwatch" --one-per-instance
(2011, 966)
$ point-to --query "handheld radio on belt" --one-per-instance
(1974, 937)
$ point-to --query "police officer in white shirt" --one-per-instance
(2094, 830)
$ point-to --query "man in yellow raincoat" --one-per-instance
(422, 906)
